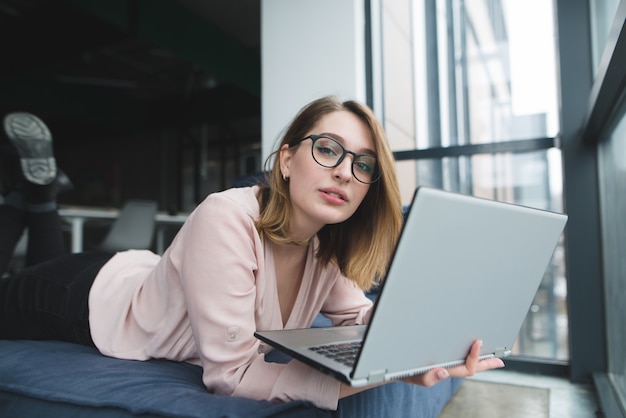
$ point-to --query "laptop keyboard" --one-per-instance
(344, 353)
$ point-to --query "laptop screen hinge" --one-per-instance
(502, 352)
(377, 376)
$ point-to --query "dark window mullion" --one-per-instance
(526, 145)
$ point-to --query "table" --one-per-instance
(76, 216)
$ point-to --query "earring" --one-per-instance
(285, 178)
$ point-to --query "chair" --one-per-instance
(18, 259)
(133, 228)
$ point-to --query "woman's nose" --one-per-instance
(344, 170)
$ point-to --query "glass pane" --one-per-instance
(480, 74)
(612, 175)
(530, 179)
(602, 16)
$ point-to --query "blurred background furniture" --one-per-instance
(133, 228)
(80, 217)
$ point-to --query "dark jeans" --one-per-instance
(48, 300)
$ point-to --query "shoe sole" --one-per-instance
(33, 142)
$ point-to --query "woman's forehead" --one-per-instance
(346, 127)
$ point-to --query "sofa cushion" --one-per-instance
(51, 378)
(61, 375)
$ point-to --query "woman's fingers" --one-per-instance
(471, 361)
(472, 365)
(429, 378)
(489, 364)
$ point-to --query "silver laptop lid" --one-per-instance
(474, 267)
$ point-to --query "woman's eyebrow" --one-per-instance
(340, 139)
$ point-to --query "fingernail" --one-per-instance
(442, 374)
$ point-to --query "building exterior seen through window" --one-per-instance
(469, 102)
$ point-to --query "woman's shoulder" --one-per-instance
(240, 199)
(229, 213)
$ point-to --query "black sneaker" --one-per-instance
(33, 142)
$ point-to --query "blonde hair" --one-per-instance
(362, 245)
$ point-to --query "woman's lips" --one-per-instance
(334, 196)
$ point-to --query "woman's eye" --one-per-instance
(365, 167)
(326, 150)
(366, 164)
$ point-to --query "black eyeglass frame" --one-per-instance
(314, 138)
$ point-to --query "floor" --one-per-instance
(567, 400)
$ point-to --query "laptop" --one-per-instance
(464, 268)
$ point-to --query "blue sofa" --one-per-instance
(57, 379)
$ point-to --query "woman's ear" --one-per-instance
(285, 156)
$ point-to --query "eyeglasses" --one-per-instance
(329, 153)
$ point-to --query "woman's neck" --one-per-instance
(290, 262)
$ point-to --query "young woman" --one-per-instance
(319, 232)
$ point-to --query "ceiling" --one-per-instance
(113, 66)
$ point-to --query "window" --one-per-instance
(469, 102)
(607, 129)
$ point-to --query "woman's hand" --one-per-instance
(472, 366)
